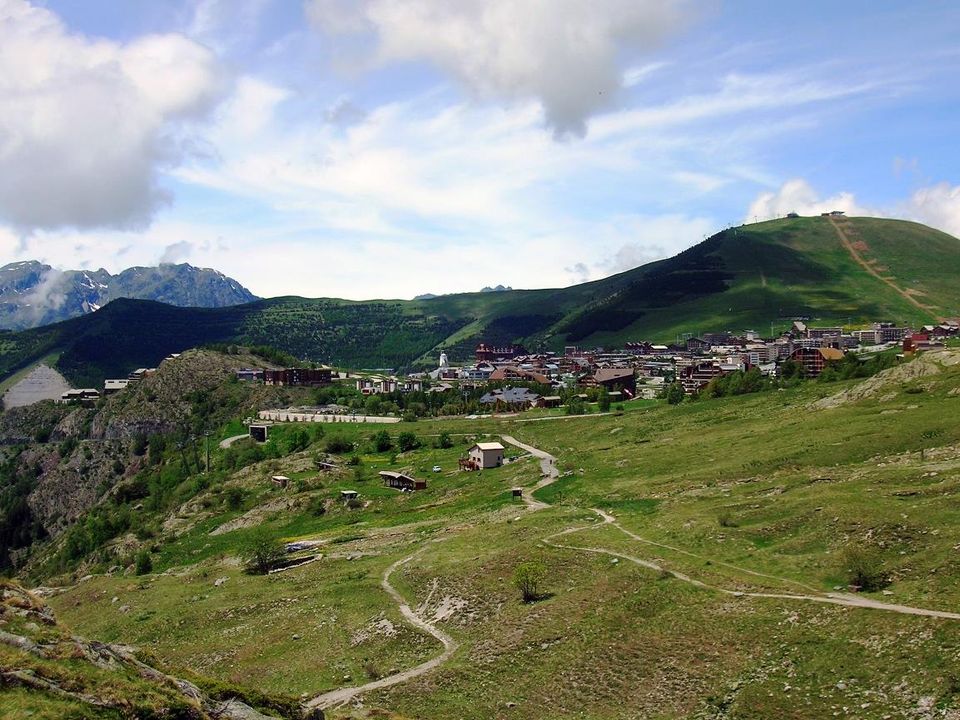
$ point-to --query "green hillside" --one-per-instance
(696, 563)
(834, 271)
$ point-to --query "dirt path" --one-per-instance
(224, 444)
(855, 254)
(548, 470)
(342, 696)
(843, 599)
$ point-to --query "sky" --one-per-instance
(389, 148)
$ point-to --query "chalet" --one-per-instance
(510, 398)
(613, 379)
(324, 466)
(814, 360)
(824, 332)
(489, 353)
(114, 385)
(638, 348)
(280, 480)
(917, 342)
(696, 376)
(140, 374)
(402, 482)
(550, 401)
(513, 372)
(348, 495)
(695, 344)
(717, 338)
(250, 374)
(83, 395)
(482, 456)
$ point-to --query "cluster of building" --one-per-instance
(88, 396)
(641, 369)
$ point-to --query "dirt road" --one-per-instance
(844, 599)
(224, 444)
(342, 696)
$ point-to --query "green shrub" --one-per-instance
(381, 441)
(143, 564)
(864, 569)
(234, 497)
(337, 444)
(407, 441)
(528, 578)
(261, 553)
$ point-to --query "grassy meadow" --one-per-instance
(777, 492)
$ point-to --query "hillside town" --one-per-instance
(510, 378)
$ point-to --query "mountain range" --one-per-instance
(34, 294)
(830, 270)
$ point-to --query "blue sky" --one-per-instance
(386, 148)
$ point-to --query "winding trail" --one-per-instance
(342, 696)
(548, 470)
(855, 254)
(549, 473)
(843, 599)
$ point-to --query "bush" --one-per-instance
(407, 441)
(444, 441)
(67, 447)
(317, 506)
(234, 497)
(381, 441)
(727, 520)
(674, 393)
(603, 402)
(139, 445)
(261, 553)
(337, 445)
(527, 578)
(143, 563)
(864, 570)
(576, 406)
(299, 440)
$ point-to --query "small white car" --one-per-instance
(436, 468)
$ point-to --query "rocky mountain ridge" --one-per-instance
(34, 294)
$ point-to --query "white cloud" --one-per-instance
(86, 123)
(564, 54)
(798, 196)
(937, 206)
(643, 239)
(175, 252)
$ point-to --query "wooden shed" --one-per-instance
(401, 481)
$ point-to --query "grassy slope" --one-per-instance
(766, 482)
(746, 277)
